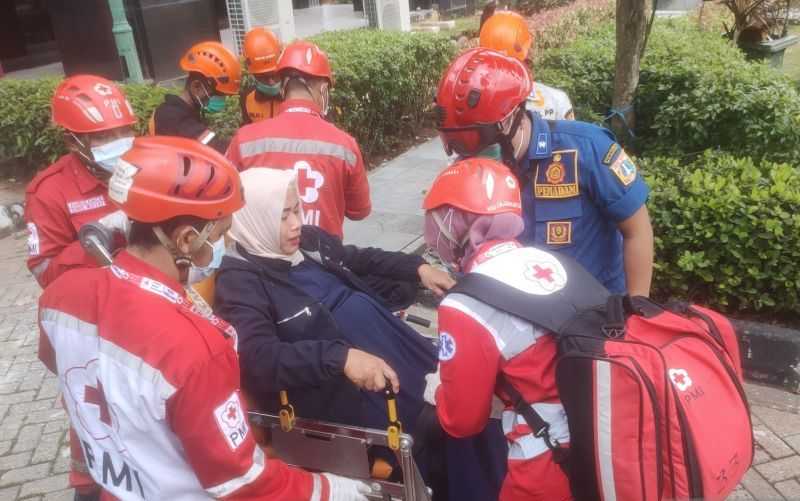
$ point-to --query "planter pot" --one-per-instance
(770, 51)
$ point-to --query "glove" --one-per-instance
(345, 489)
(117, 221)
(432, 381)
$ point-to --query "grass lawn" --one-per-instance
(791, 59)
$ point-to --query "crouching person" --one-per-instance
(308, 323)
(473, 215)
(151, 384)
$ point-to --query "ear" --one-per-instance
(184, 236)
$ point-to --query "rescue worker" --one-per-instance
(581, 193)
(97, 121)
(153, 382)
(473, 216)
(260, 100)
(213, 73)
(330, 171)
(507, 32)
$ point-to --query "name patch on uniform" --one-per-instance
(624, 168)
(79, 206)
(610, 154)
(447, 347)
(231, 421)
(559, 177)
(559, 232)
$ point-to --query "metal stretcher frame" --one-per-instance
(342, 450)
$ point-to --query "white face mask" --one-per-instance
(200, 273)
(106, 155)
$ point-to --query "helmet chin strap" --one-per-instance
(184, 260)
(506, 141)
(88, 159)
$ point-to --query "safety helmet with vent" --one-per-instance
(214, 61)
(164, 177)
(478, 92)
(305, 58)
(508, 33)
(476, 185)
(87, 103)
(261, 51)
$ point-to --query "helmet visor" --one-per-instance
(468, 141)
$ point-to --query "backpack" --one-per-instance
(653, 394)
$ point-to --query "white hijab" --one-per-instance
(257, 225)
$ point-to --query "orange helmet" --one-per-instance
(87, 103)
(305, 57)
(476, 185)
(507, 32)
(214, 61)
(165, 177)
(261, 51)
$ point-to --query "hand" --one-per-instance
(438, 281)
(345, 489)
(432, 382)
(116, 221)
(369, 372)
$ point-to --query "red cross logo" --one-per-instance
(309, 181)
(96, 396)
(231, 412)
(542, 273)
(680, 378)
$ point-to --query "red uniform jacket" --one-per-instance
(330, 171)
(478, 342)
(58, 201)
(153, 390)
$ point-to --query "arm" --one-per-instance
(53, 246)
(265, 359)
(468, 369)
(637, 241)
(397, 266)
(209, 419)
(356, 188)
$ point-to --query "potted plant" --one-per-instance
(760, 28)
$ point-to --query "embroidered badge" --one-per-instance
(624, 168)
(231, 421)
(542, 143)
(447, 347)
(559, 179)
(79, 206)
(610, 154)
(545, 277)
(559, 232)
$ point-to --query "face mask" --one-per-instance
(268, 90)
(106, 155)
(493, 151)
(200, 273)
(215, 104)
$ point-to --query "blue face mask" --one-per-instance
(200, 273)
(106, 155)
(215, 104)
(268, 90)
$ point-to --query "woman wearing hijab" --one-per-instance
(308, 324)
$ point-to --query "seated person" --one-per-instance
(308, 323)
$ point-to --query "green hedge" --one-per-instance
(696, 92)
(384, 84)
(727, 231)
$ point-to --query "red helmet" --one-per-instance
(164, 177)
(305, 57)
(479, 90)
(261, 51)
(214, 61)
(87, 103)
(476, 185)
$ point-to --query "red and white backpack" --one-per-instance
(653, 394)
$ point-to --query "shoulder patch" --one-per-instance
(231, 421)
(624, 168)
(611, 154)
(447, 347)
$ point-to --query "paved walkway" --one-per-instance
(33, 447)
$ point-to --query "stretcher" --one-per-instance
(314, 445)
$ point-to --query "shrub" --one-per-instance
(727, 231)
(696, 92)
(384, 84)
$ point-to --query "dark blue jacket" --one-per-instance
(287, 339)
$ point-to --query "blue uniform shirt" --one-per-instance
(578, 184)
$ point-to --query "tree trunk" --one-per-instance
(631, 28)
